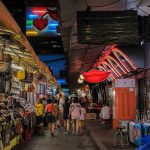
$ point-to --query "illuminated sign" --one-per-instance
(42, 21)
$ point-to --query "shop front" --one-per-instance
(23, 79)
(126, 90)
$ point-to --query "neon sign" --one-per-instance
(42, 21)
(116, 62)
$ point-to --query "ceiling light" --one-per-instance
(81, 77)
(80, 81)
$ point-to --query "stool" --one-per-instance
(118, 137)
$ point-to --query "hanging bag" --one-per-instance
(21, 74)
(5, 62)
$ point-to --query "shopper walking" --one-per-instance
(105, 114)
(74, 111)
(39, 114)
(50, 113)
(66, 118)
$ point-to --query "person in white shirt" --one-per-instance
(82, 118)
(74, 111)
(105, 114)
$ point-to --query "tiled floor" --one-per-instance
(59, 142)
(103, 138)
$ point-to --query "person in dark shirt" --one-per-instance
(66, 118)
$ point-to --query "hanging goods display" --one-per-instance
(5, 62)
(29, 77)
(8, 85)
(5, 73)
(2, 83)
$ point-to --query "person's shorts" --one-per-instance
(39, 120)
(51, 119)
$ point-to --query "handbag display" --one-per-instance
(3, 67)
(5, 62)
(8, 85)
(2, 83)
(6, 136)
(29, 77)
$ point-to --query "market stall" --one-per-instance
(23, 77)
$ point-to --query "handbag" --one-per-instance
(21, 74)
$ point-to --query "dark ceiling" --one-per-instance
(48, 48)
(81, 56)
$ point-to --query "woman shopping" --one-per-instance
(74, 111)
(50, 112)
(66, 118)
(39, 114)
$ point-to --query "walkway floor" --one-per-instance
(59, 142)
(95, 138)
(103, 138)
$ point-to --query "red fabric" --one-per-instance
(95, 76)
